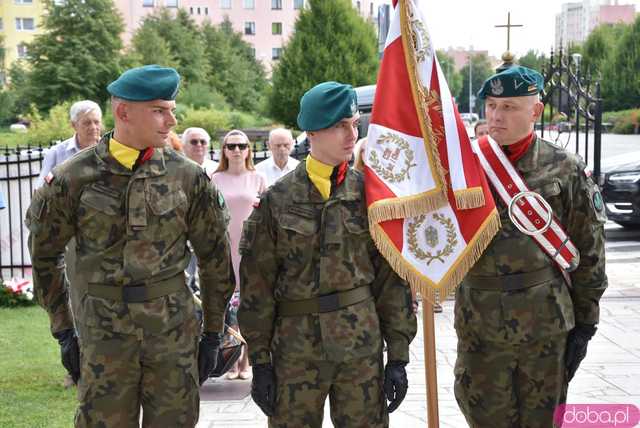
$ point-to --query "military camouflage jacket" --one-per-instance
(552, 307)
(296, 246)
(131, 228)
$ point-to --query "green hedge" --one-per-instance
(623, 121)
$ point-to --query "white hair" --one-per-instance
(185, 134)
(83, 107)
(281, 131)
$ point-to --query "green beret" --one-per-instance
(515, 81)
(326, 104)
(146, 83)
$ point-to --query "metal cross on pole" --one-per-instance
(508, 26)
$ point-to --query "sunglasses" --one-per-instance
(195, 142)
(232, 147)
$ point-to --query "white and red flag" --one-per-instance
(430, 209)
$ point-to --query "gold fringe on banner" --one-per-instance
(420, 100)
(410, 206)
(430, 291)
(469, 198)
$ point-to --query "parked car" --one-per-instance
(365, 96)
(621, 189)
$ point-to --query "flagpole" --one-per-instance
(428, 327)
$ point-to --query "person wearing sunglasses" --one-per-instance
(195, 144)
(241, 185)
(318, 299)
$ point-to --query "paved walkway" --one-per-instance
(609, 374)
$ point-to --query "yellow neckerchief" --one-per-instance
(126, 155)
(320, 175)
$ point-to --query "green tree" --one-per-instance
(621, 79)
(234, 70)
(148, 47)
(330, 42)
(181, 44)
(78, 53)
(480, 71)
(598, 49)
(534, 60)
(454, 78)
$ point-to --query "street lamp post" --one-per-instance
(470, 85)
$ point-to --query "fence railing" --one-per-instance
(19, 170)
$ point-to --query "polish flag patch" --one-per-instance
(49, 178)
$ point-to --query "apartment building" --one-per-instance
(19, 24)
(578, 19)
(265, 24)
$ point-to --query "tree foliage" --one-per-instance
(533, 59)
(234, 70)
(77, 54)
(331, 42)
(454, 78)
(621, 76)
(480, 71)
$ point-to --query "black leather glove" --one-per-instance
(208, 354)
(577, 347)
(69, 352)
(263, 388)
(395, 383)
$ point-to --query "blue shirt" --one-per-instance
(56, 155)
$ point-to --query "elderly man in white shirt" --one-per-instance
(195, 144)
(86, 121)
(280, 163)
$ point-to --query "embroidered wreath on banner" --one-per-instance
(447, 250)
(387, 172)
(420, 38)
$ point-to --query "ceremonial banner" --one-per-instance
(430, 209)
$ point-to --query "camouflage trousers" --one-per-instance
(355, 393)
(500, 385)
(122, 373)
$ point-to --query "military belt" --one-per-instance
(138, 293)
(512, 282)
(327, 303)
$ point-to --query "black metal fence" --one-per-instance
(575, 108)
(19, 170)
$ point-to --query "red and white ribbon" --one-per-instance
(528, 210)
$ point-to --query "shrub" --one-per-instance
(56, 126)
(210, 120)
(623, 121)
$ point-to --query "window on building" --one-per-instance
(298, 4)
(22, 50)
(249, 4)
(276, 4)
(358, 6)
(276, 28)
(59, 2)
(198, 10)
(24, 1)
(225, 4)
(276, 53)
(371, 9)
(250, 28)
(147, 3)
(253, 52)
(171, 3)
(206, 11)
(26, 24)
(1, 25)
(191, 10)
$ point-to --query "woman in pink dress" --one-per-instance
(241, 186)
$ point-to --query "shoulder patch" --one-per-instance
(588, 172)
(221, 202)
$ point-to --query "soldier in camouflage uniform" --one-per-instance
(131, 205)
(317, 299)
(522, 331)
